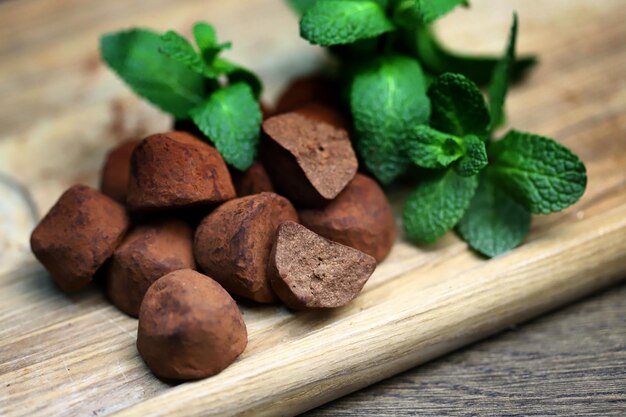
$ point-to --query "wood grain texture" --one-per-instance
(571, 363)
(60, 110)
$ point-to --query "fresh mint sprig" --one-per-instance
(484, 187)
(219, 96)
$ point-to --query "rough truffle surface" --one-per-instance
(308, 271)
(360, 217)
(308, 160)
(233, 243)
(148, 252)
(116, 171)
(174, 170)
(305, 90)
(189, 327)
(254, 180)
(79, 233)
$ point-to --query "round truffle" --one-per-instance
(79, 233)
(176, 170)
(147, 253)
(189, 327)
(308, 271)
(254, 180)
(116, 171)
(308, 160)
(233, 243)
(324, 113)
(360, 217)
(308, 89)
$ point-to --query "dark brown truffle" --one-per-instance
(254, 180)
(360, 217)
(233, 243)
(305, 90)
(147, 253)
(308, 271)
(175, 170)
(78, 234)
(309, 161)
(116, 171)
(189, 327)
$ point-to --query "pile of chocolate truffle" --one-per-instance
(300, 226)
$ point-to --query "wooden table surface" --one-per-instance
(51, 83)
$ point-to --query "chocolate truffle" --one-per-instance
(308, 89)
(308, 271)
(176, 170)
(189, 327)
(309, 161)
(254, 180)
(360, 217)
(233, 243)
(116, 171)
(79, 233)
(147, 253)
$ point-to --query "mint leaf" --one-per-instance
(387, 99)
(436, 59)
(494, 223)
(540, 173)
(429, 148)
(500, 80)
(408, 13)
(474, 158)
(180, 49)
(231, 119)
(134, 55)
(458, 106)
(437, 205)
(206, 39)
(336, 22)
(237, 74)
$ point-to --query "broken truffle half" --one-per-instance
(308, 271)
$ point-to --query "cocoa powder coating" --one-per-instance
(308, 160)
(175, 170)
(147, 253)
(308, 89)
(233, 243)
(324, 113)
(308, 271)
(79, 233)
(254, 180)
(189, 327)
(360, 217)
(116, 171)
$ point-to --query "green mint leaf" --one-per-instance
(540, 173)
(409, 13)
(388, 99)
(494, 223)
(436, 59)
(500, 80)
(437, 205)
(458, 106)
(429, 148)
(301, 6)
(206, 39)
(237, 74)
(231, 119)
(134, 55)
(180, 49)
(474, 158)
(336, 22)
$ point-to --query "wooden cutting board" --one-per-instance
(60, 110)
